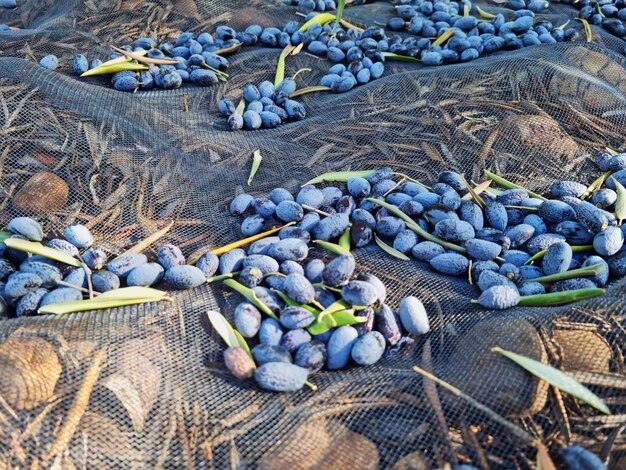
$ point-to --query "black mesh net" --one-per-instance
(146, 387)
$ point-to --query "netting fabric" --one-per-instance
(156, 393)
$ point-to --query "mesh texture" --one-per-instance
(132, 161)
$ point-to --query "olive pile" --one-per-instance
(28, 282)
(266, 106)
(443, 226)
(319, 315)
(610, 14)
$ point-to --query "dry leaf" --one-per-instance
(135, 380)
(104, 442)
(43, 192)
(348, 450)
(583, 350)
(29, 371)
(303, 447)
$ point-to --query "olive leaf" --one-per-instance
(39, 249)
(620, 203)
(557, 379)
(334, 320)
(309, 89)
(474, 194)
(443, 38)
(564, 25)
(411, 225)
(341, 4)
(400, 58)
(231, 337)
(241, 106)
(510, 185)
(229, 50)
(221, 277)
(132, 66)
(251, 296)
(244, 241)
(141, 58)
(390, 250)
(292, 303)
(339, 176)
(333, 247)
(542, 253)
(484, 14)
(587, 271)
(481, 187)
(280, 67)
(611, 151)
(256, 163)
(321, 18)
(116, 298)
(344, 240)
(560, 298)
(118, 60)
(597, 184)
(588, 34)
(466, 9)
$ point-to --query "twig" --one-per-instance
(79, 406)
(74, 286)
(395, 186)
(185, 103)
(515, 431)
(309, 208)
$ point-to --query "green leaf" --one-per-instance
(588, 34)
(340, 318)
(221, 277)
(241, 106)
(339, 176)
(474, 194)
(251, 296)
(231, 337)
(484, 14)
(131, 292)
(344, 240)
(321, 18)
(4, 236)
(557, 379)
(341, 4)
(292, 303)
(443, 38)
(620, 203)
(280, 67)
(400, 58)
(109, 69)
(597, 184)
(39, 249)
(223, 328)
(111, 299)
(611, 151)
(390, 250)
(332, 247)
(587, 271)
(560, 298)
(411, 225)
(542, 253)
(243, 345)
(510, 185)
(309, 89)
(256, 163)
(303, 69)
(466, 9)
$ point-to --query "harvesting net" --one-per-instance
(131, 162)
